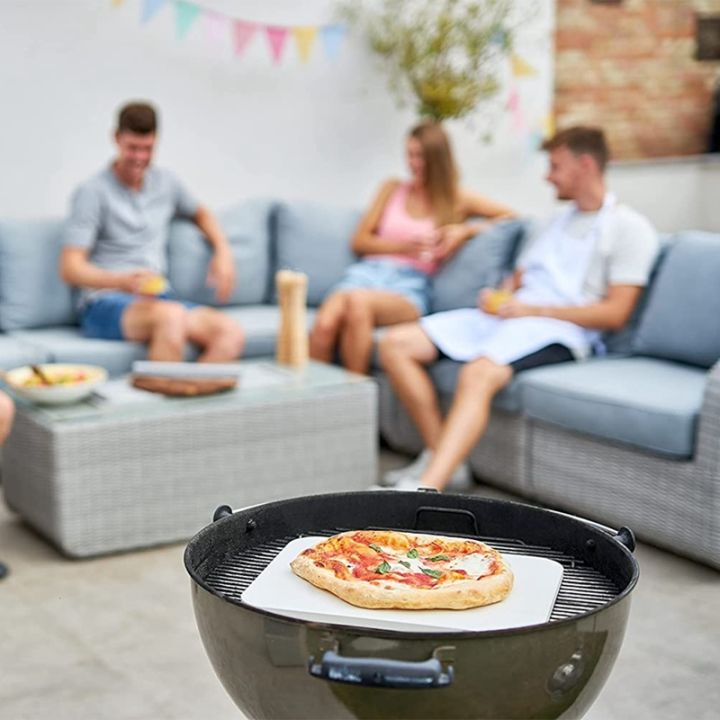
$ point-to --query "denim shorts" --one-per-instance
(390, 276)
(101, 316)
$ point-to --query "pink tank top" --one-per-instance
(395, 223)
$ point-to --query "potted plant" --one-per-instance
(445, 55)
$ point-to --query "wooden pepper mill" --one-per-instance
(292, 342)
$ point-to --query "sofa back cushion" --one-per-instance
(483, 261)
(314, 238)
(621, 342)
(31, 292)
(247, 226)
(680, 321)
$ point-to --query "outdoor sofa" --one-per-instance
(631, 438)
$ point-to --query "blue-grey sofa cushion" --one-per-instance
(315, 239)
(247, 226)
(621, 341)
(260, 324)
(682, 318)
(653, 404)
(14, 353)
(68, 345)
(31, 291)
(481, 262)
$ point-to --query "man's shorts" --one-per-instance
(101, 317)
(389, 276)
(549, 355)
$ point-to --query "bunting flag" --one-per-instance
(217, 25)
(304, 39)
(522, 68)
(276, 36)
(185, 15)
(150, 8)
(242, 35)
(548, 125)
(332, 37)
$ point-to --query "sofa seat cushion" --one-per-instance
(261, 324)
(680, 321)
(68, 345)
(14, 352)
(445, 375)
(652, 404)
(315, 238)
(247, 226)
(31, 291)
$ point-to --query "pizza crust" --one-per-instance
(386, 594)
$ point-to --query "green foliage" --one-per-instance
(445, 54)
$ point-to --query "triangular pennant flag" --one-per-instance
(304, 38)
(522, 68)
(185, 15)
(242, 35)
(276, 36)
(215, 26)
(548, 125)
(150, 9)
(332, 37)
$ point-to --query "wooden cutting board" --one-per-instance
(277, 589)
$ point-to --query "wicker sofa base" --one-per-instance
(670, 503)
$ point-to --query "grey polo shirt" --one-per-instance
(126, 229)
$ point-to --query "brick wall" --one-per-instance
(631, 69)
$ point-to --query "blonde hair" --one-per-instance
(441, 175)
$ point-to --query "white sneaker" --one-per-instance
(461, 479)
(406, 483)
(414, 470)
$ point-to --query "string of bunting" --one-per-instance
(218, 25)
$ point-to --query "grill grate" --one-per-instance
(583, 588)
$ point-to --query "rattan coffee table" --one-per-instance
(134, 469)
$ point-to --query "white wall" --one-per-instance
(231, 127)
(236, 127)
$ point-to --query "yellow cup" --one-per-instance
(496, 298)
(154, 285)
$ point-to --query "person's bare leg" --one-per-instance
(7, 413)
(479, 381)
(325, 331)
(160, 323)
(219, 336)
(365, 310)
(404, 351)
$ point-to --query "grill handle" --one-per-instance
(625, 536)
(381, 672)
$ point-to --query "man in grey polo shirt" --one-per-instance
(115, 243)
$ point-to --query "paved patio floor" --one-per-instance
(115, 638)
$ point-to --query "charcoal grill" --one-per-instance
(274, 666)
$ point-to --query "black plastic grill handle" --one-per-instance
(381, 672)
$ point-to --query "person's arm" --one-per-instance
(366, 241)
(221, 271)
(76, 269)
(453, 236)
(610, 313)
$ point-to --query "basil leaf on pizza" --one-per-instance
(463, 574)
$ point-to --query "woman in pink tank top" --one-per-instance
(407, 233)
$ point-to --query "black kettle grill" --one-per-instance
(275, 666)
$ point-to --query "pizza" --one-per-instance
(408, 571)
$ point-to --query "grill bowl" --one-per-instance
(265, 660)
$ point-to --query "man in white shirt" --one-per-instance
(582, 274)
